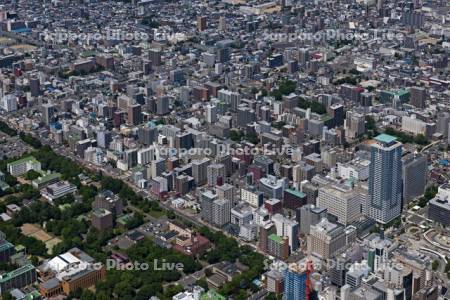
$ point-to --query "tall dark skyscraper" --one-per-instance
(414, 176)
(134, 114)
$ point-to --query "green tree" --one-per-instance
(371, 124)
(285, 87)
(32, 175)
(172, 290)
(202, 283)
(435, 265)
(236, 135)
(7, 296)
(420, 139)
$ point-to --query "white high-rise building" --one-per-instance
(287, 227)
(211, 114)
(9, 103)
(221, 212)
(146, 155)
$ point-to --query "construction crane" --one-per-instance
(309, 270)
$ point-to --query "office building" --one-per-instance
(356, 169)
(211, 114)
(337, 270)
(233, 99)
(146, 155)
(154, 56)
(385, 179)
(266, 164)
(9, 103)
(414, 125)
(22, 166)
(275, 282)
(252, 196)
(248, 232)
(102, 219)
(57, 190)
(273, 206)
(442, 124)
(157, 167)
(311, 190)
(266, 228)
(356, 273)
(35, 86)
(177, 76)
(184, 141)
(201, 23)
(206, 202)
(48, 111)
(241, 214)
(245, 115)
(354, 125)
(107, 200)
(215, 174)
(309, 215)
(302, 171)
(221, 212)
(278, 246)
(439, 207)
(18, 278)
(341, 201)
(415, 168)
(225, 191)
(147, 135)
(134, 114)
(326, 239)
(272, 187)
(6, 249)
(294, 199)
(286, 227)
(162, 105)
(104, 138)
(418, 97)
(413, 18)
(200, 170)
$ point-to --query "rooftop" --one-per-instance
(101, 212)
(276, 238)
(30, 159)
(385, 138)
(296, 193)
(17, 272)
(47, 177)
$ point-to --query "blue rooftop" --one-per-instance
(385, 138)
(22, 30)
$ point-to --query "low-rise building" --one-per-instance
(68, 272)
(21, 166)
(18, 278)
(57, 190)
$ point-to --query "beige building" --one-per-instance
(342, 201)
(326, 239)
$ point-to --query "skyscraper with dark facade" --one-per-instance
(414, 176)
(147, 135)
(134, 114)
(418, 97)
